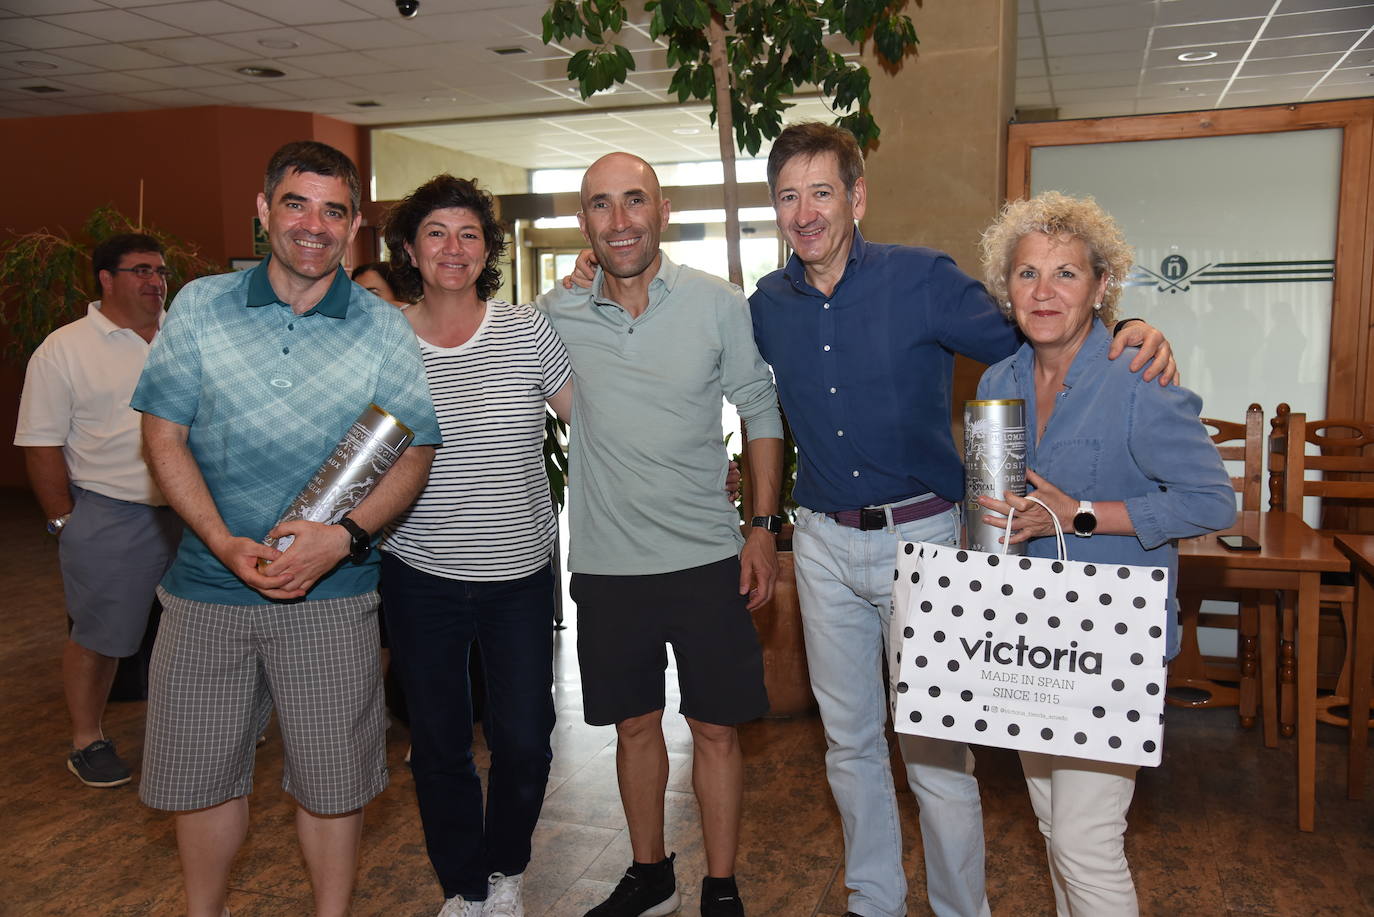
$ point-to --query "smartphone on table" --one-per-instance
(1238, 543)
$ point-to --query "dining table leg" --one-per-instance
(1287, 666)
(1269, 672)
(1362, 635)
(1309, 604)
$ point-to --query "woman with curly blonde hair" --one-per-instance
(1124, 464)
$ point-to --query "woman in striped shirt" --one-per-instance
(470, 561)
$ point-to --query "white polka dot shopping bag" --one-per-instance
(1036, 654)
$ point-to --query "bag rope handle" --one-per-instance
(1058, 529)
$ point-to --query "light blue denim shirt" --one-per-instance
(1113, 436)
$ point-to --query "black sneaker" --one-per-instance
(98, 765)
(720, 898)
(646, 890)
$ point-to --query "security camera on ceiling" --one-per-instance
(407, 8)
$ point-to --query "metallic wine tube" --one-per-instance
(994, 463)
(370, 446)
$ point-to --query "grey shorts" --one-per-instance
(113, 554)
(217, 671)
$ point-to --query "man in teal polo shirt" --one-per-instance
(252, 382)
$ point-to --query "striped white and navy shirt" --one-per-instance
(486, 513)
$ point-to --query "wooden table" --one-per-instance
(1291, 558)
(1360, 550)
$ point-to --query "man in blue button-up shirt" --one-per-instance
(862, 339)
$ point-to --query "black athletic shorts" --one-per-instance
(624, 624)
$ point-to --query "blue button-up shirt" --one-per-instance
(865, 374)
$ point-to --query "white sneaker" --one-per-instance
(503, 896)
(458, 906)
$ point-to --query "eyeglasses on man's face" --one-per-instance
(146, 271)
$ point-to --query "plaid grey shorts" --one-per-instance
(216, 672)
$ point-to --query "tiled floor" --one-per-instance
(1212, 830)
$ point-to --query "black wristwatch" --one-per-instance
(771, 523)
(360, 544)
(1085, 520)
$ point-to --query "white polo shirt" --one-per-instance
(76, 395)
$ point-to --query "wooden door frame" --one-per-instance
(1349, 382)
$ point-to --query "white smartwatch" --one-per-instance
(1085, 520)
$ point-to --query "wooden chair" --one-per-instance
(1346, 490)
(1196, 680)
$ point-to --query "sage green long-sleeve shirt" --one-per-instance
(648, 461)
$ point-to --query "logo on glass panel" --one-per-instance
(1174, 275)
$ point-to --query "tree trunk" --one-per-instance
(726, 129)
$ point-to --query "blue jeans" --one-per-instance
(432, 623)
(844, 582)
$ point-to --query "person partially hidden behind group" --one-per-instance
(1055, 264)
(375, 277)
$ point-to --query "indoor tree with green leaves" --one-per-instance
(745, 57)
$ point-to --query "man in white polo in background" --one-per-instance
(83, 449)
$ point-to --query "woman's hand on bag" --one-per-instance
(1031, 520)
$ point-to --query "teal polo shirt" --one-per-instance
(266, 395)
(646, 487)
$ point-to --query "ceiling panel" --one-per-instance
(47, 7)
(1206, 34)
(185, 77)
(35, 33)
(115, 25)
(1352, 18)
(208, 17)
(195, 49)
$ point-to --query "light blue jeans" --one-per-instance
(844, 582)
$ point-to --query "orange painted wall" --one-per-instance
(201, 170)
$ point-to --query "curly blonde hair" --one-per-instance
(1057, 214)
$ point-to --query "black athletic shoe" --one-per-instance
(98, 765)
(720, 898)
(646, 890)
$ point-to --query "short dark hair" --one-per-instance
(317, 158)
(806, 139)
(381, 267)
(403, 221)
(106, 255)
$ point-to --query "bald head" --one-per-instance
(620, 171)
(623, 214)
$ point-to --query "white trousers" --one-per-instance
(1081, 806)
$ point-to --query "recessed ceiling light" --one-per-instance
(41, 89)
(262, 73)
(366, 103)
(506, 52)
(279, 44)
(37, 65)
(687, 131)
(1193, 57)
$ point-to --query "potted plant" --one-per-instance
(46, 281)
